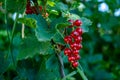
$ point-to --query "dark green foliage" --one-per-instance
(34, 56)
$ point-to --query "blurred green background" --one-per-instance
(100, 56)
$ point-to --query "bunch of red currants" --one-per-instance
(74, 41)
(31, 9)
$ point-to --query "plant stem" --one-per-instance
(61, 66)
(69, 75)
(81, 73)
(11, 40)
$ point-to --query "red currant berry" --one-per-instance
(75, 64)
(68, 39)
(78, 46)
(79, 30)
(75, 52)
(71, 59)
(77, 57)
(77, 23)
(67, 51)
(74, 34)
(78, 39)
(73, 45)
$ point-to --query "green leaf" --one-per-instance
(4, 62)
(58, 39)
(95, 58)
(43, 31)
(60, 22)
(31, 46)
(46, 74)
(52, 63)
(16, 5)
(28, 21)
(85, 24)
(61, 6)
(74, 16)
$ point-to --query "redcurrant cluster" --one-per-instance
(74, 41)
(32, 9)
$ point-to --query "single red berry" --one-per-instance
(68, 39)
(78, 39)
(73, 45)
(75, 64)
(77, 57)
(71, 59)
(67, 51)
(78, 46)
(74, 34)
(79, 30)
(77, 23)
(75, 52)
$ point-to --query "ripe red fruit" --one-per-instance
(78, 39)
(71, 59)
(67, 51)
(73, 45)
(74, 34)
(77, 23)
(75, 64)
(79, 30)
(68, 39)
(78, 46)
(75, 52)
(77, 57)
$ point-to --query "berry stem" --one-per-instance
(81, 73)
(69, 75)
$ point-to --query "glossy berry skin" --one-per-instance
(75, 52)
(68, 39)
(77, 57)
(75, 64)
(71, 59)
(78, 39)
(73, 45)
(79, 30)
(74, 34)
(67, 51)
(78, 46)
(77, 23)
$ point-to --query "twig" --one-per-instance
(61, 65)
(23, 29)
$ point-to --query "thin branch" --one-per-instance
(23, 29)
(61, 65)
